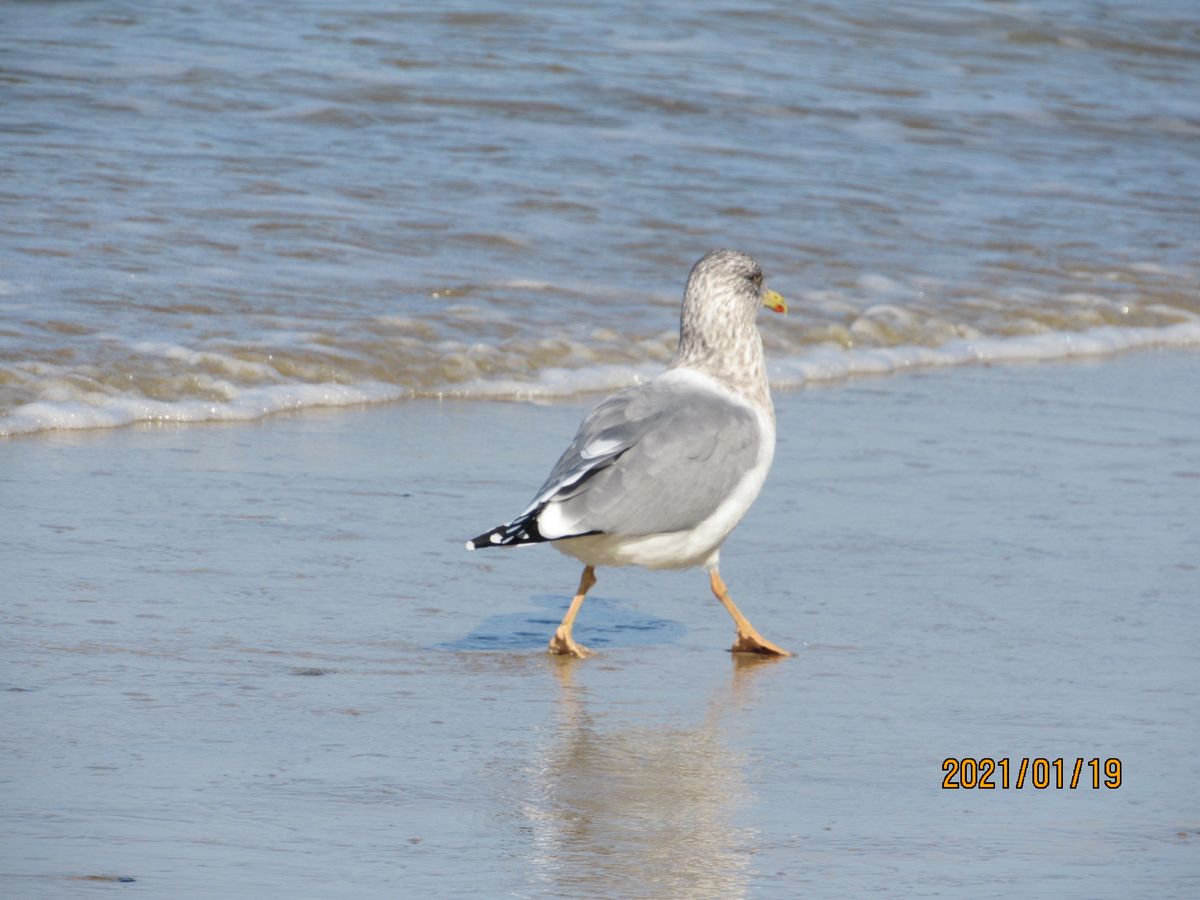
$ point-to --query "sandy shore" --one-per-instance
(256, 660)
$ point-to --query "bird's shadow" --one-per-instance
(601, 623)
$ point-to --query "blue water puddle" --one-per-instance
(601, 623)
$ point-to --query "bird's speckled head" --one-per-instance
(727, 282)
(718, 333)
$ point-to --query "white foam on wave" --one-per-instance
(553, 383)
(829, 363)
(103, 410)
(64, 406)
(200, 358)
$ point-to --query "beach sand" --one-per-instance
(255, 660)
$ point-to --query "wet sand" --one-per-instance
(255, 660)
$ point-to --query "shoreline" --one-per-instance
(823, 365)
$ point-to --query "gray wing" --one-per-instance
(654, 458)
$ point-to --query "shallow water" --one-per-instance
(254, 660)
(216, 211)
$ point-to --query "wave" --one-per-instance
(71, 404)
(827, 364)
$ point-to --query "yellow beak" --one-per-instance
(774, 301)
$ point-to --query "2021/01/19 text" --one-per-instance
(988, 773)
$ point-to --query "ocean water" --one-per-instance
(222, 210)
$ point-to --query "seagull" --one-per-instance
(660, 473)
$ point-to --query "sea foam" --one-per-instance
(62, 406)
(829, 363)
(102, 410)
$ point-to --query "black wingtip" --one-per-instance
(519, 531)
(485, 539)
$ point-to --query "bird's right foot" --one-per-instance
(753, 642)
(563, 644)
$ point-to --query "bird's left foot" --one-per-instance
(753, 642)
(564, 645)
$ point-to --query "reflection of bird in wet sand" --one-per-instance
(619, 809)
(659, 474)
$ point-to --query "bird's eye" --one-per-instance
(756, 278)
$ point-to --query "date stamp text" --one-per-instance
(1040, 773)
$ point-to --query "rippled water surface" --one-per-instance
(218, 210)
